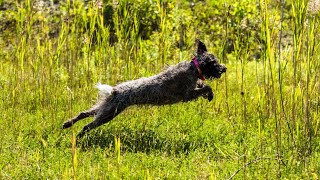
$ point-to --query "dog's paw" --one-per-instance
(210, 96)
(67, 125)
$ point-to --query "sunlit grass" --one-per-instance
(262, 124)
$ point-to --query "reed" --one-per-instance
(263, 122)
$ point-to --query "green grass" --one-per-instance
(262, 124)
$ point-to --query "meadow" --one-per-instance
(263, 122)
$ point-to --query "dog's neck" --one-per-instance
(196, 63)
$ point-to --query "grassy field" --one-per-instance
(263, 122)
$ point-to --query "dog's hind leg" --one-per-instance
(103, 116)
(82, 115)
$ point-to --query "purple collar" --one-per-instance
(196, 63)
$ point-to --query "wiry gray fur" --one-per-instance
(179, 83)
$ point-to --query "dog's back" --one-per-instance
(167, 87)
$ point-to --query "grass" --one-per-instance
(262, 124)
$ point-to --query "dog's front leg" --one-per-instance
(209, 95)
(205, 91)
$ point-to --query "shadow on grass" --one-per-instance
(141, 140)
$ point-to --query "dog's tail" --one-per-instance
(104, 89)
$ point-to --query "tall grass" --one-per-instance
(262, 124)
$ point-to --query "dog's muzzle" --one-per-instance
(222, 70)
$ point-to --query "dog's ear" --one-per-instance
(201, 47)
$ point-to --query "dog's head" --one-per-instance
(208, 63)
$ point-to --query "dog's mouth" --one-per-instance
(218, 75)
(222, 70)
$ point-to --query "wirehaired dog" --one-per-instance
(179, 83)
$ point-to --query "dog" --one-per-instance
(179, 83)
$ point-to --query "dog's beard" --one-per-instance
(216, 74)
(220, 71)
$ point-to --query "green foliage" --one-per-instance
(127, 13)
(263, 122)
